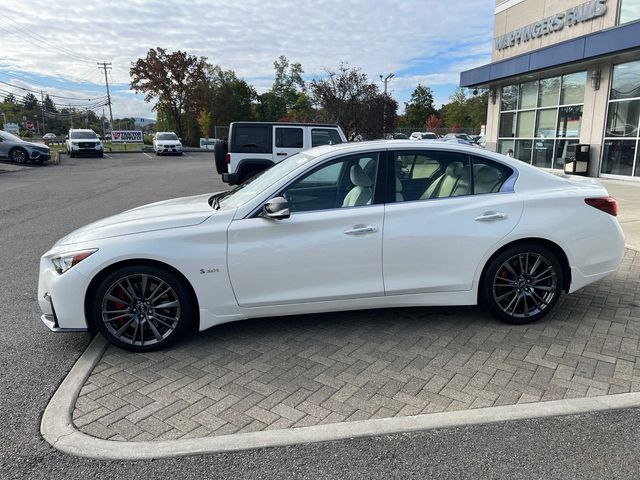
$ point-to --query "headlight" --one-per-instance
(64, 262)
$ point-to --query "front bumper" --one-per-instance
(50, 320)
(167, 149)
(67, 292)
(36, 155)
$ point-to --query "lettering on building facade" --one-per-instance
(582, 13)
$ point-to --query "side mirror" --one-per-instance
(66, 137)
(277, 208)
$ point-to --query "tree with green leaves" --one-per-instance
(10, 98)
(419, 107)
(178, 81)
(288, 84)
(348, 98)
(30, 101)
(204, 122)
(229, 98)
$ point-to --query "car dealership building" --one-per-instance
(565, 72)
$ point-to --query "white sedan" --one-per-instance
(342, 227)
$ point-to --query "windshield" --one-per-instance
(248, 190)
(79, 135)
(167, 136)
(8, 136)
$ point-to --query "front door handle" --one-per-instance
(491, 216)
(280, 154)
(361, 230)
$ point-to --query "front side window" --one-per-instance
(324, 136)
(343, 183)
(289, 137)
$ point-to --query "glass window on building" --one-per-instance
(528, 97)
(547, 116)
(573, 88)
(509, 98)
(549, 92)
(620, 149)
(629, 11)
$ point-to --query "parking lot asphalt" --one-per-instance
(39, 205)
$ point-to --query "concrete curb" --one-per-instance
(57, 425)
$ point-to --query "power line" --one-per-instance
(52, 95)
(26, 31)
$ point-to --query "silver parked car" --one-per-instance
(21, 151)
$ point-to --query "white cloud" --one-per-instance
(422, 37)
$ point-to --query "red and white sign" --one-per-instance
(29, 125)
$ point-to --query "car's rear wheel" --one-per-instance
(19, 155)
(142, 308)
(522, 284)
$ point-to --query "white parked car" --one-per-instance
(49, 136)
(461, 226)
(423, 136)
(167, 142)
(82, 141)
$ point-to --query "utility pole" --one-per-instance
(44, 112)
(106, 66)
(384, 105)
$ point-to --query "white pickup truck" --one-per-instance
(255, 146)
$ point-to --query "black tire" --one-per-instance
(71, 154)
(157, 153)
(19, 155)
(177, 317)
(522, 284)
(101, 155)
(220, 150)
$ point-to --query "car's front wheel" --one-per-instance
(522, 284)
(19, 155)
(142, 308)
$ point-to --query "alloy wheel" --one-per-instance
(19, 156)
(140, 309)
(525, 285)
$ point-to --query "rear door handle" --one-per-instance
(491, 216)
(281, 153)
(361, 230)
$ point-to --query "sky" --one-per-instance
(420, 41)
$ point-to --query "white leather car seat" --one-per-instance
(361, 194)
(487, 180)
(445, 184)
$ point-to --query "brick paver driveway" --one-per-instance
(318, 369)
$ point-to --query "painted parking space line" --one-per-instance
(108, 156)
(144, 153)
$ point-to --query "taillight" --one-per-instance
(227, 158)
(606, 204)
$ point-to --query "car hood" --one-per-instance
(175, 213)
(33, 144)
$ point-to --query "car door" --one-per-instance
(329, 249)
(434, 241)
(4, 150)
(287, 140)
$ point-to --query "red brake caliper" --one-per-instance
(120, 306)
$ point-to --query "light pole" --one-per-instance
(4, 121)
(385, 80)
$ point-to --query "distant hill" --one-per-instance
(144, 122)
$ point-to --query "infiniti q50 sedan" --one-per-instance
(342, 227)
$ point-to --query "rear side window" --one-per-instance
(489, 176)
(289, 138)
(251, 139)
(324, 136)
